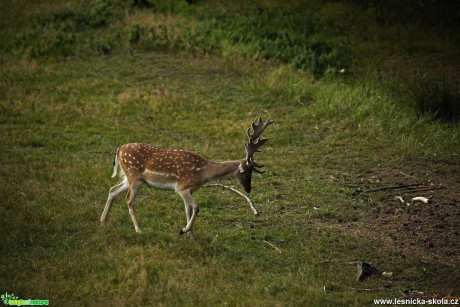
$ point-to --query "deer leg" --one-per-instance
(114, 192)
(133, 188)
(187, 215)
(191, 203)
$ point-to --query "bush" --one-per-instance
(285, 33)
(104, 44)
(135, 33)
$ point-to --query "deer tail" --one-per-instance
(115, 164)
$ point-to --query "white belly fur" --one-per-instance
(161, 186)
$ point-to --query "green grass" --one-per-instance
(64, 114)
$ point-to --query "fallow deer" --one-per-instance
(179, 170)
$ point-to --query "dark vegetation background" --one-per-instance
(366, 100)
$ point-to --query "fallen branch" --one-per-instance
(282, 209)
(214, 238)
(425, 189)
(398, 187)
(237, 192)
(401, 200)
(352, 288)
(279, 251)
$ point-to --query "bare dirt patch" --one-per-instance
(429, 231)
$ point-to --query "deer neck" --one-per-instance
(221, 170)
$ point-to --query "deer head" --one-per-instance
(245, 169)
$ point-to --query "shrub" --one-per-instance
(135, 33)
(104, 44)
(285, 33)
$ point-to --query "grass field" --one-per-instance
(80, 78)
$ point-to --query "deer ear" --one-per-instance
(241, 168)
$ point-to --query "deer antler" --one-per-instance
(258, 128)
(255, 143)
